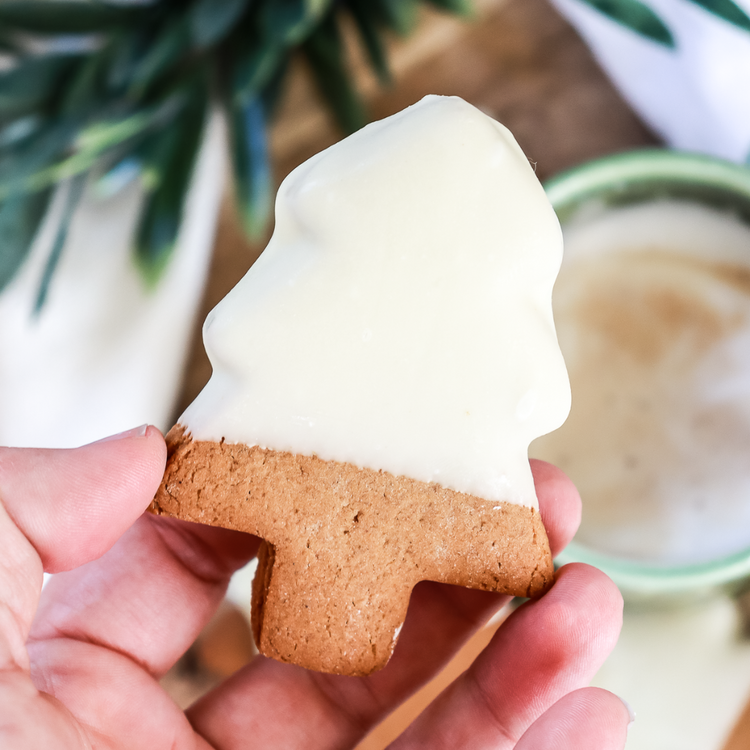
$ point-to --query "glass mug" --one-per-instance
(666, 505)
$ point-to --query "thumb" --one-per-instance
(586, 719)
(73, 504)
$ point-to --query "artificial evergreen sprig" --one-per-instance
(98, 89)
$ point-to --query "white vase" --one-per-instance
(105, 353)
(694, 92)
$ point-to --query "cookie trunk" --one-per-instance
(345, 546)
(342, 628)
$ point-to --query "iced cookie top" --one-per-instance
(400, 317)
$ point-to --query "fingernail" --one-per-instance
(631, 713)
(134, 432)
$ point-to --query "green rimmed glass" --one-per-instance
(627, 179)
(639, 176)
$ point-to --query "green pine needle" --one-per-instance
(325, 53)
(369, 28)
(250, 161)
(130, 83)
(636, 16)
(727, 10)
(20, 218)
(72, 199)
(169, 158)
(211, 20)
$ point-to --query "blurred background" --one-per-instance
(141, 144)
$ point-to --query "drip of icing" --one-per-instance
(400, 317)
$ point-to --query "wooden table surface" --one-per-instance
(522, 63)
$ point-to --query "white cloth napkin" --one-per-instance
(683, 65)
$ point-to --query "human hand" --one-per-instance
(83, 671)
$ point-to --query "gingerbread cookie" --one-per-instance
(378, 376)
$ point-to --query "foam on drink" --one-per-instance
(652, 308)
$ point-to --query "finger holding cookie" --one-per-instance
(546, 650)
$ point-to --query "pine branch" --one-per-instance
(117, 88)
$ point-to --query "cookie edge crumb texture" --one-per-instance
(344, 546)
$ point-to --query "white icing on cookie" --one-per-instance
(400, 317)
